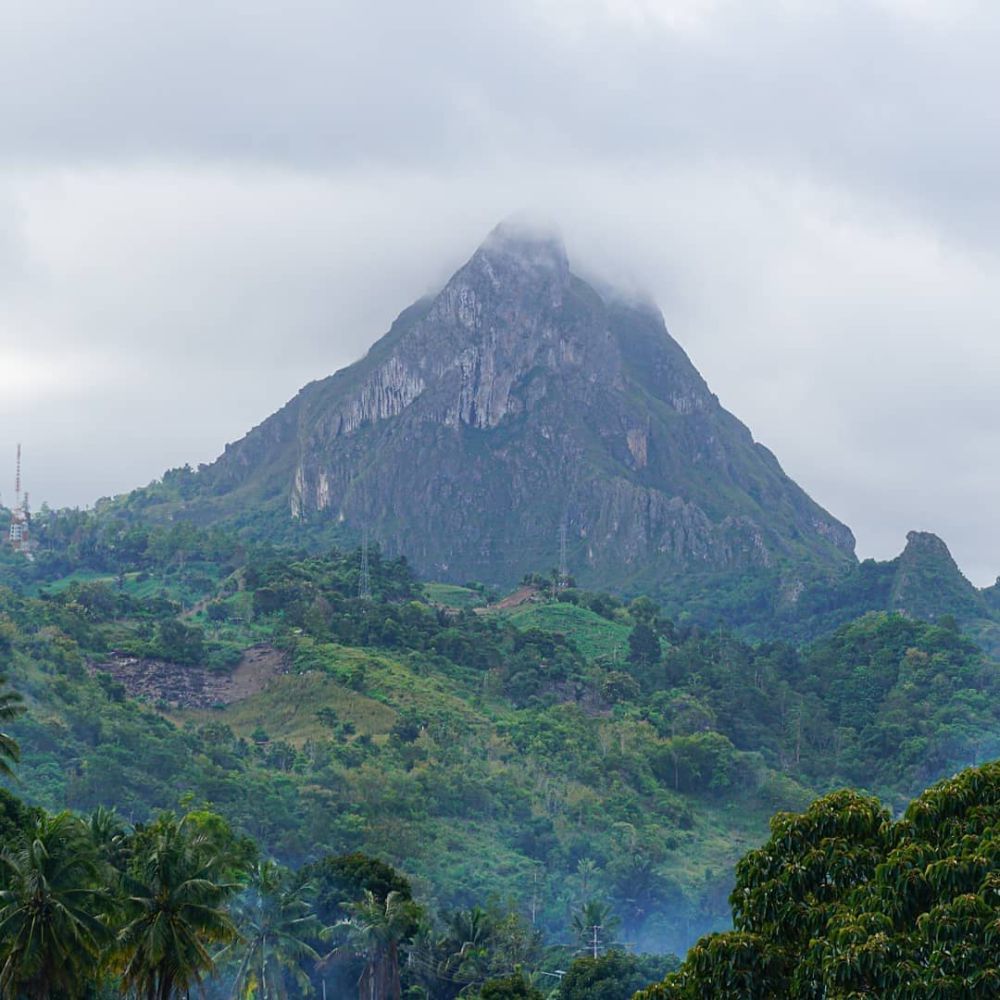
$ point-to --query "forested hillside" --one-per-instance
(568, 749)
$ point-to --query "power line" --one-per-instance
(563, 567)
(365, 578)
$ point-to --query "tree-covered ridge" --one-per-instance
(886, 703)
(842, 902)
(434, 739)
(94, 907)
(102, 543)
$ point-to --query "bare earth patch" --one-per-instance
(523, 595)
(194, 687)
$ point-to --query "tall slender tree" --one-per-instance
(374, 931)
(276, 923)
(10, 708)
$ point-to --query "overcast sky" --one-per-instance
(204, 206)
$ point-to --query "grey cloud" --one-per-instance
(863, 92)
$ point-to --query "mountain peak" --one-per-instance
(531, 243)
(518, 406)
(926, 543)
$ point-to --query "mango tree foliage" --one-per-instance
(841, 902)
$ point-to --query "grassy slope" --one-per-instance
(184, 588)
(594, 636)
(453, 596)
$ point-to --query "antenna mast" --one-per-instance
(20, 518)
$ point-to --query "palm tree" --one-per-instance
(468, 940)
(174, 910)
(374, 931)
(593, 926)
(10, 709)
(275, 920)
(586, 874)
(51, 934)
(110, 839)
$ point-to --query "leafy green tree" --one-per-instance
(16, 818)
(613, 976)
(276, 924)
(341, 879)
(843, 903)
(51, 904)
(514, 987)
(643, 646)
(174, 908)
(178, 642)
(619, 686)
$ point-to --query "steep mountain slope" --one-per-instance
(517, 400)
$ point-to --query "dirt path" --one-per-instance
(197, 607)
(523, 595)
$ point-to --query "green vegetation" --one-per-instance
(94, 907)
(842, 902)
(453, 596)
(615, 975)
(802, 606)
(572, 762)
(486, 754)
(595, 636)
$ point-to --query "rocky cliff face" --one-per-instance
(518, 400)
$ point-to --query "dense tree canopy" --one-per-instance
(842, 902)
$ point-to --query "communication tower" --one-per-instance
(20, 517)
